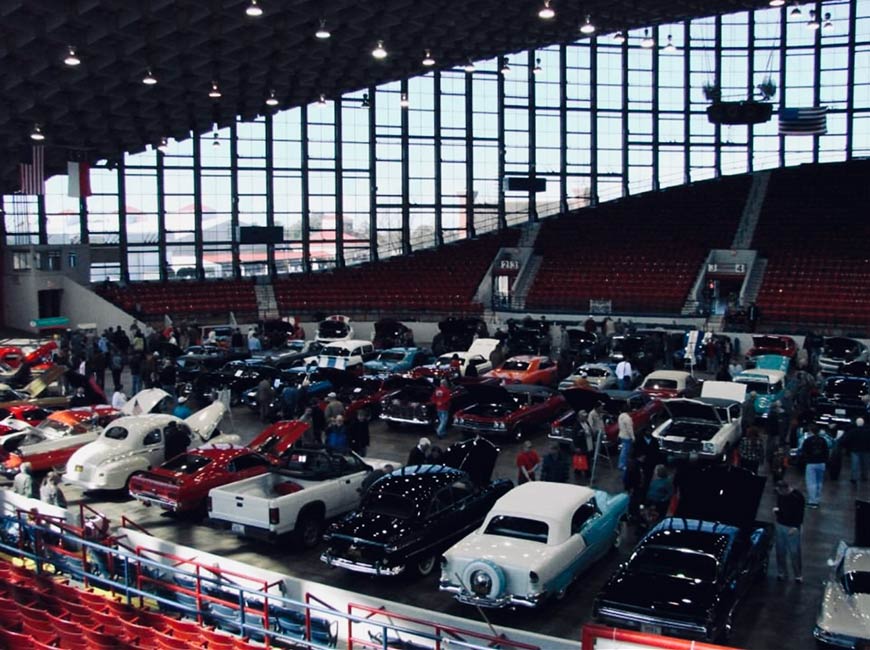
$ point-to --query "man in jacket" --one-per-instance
(441, 399)
(789, 512)
(814, 452)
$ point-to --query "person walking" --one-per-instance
(441, 398)
(814, 451)
(528, 463)
(265, 395)
(135, 365)
(750, 450)
(358, 432)
(789, 512)
(626, 438)
(116, 363)
(623, 373)
(555, 466)
(857, 442)
(336, 434)
(23, 482)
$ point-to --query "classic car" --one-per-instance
(458, 333)
(320, 382)
(398, 360)
(11, 355)
(473, 362)
(334, 328)
(390, 333)
(703, 428)
(236, 376)
(527, 369)
(182, 483)
(855, 369)
(839, 350)
(347, 354)
(409, 517)
(631, 347)
(292, 354)
(27, 413)
(205, 358)
(669, 383)
(688, 574)
(590, 375)
(411, 403)
(768, 385)
(527, 337)
(771, 344)
(35, 393)
(137, 443)
(842, 401)
(512, 411)
(363, 392)
(643, 409)
(845, 608)
(534, 543)
(583, 346)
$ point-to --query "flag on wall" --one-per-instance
(33, 172)
(803, 121)
(78, 172)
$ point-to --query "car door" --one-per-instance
(348, 473)
(153, 448)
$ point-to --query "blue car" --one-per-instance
(396, 360)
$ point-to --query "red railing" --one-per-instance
(592, 632)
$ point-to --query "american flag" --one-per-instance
(33, 173)
(803, 121)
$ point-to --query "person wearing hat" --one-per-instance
(419, 452)
(334, 408)
(182, 408)
(789, 512)
(528, 463)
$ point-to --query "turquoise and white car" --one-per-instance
(769, 386)
(533, 544)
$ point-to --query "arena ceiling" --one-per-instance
(102, 107)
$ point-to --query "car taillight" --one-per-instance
(13, 461)
(274, 517)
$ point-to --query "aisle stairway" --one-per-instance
(267, 305)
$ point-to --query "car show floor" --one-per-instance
(775, 614)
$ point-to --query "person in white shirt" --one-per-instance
(626, 438)
(623, 373)
(119, 398)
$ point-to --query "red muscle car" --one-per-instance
(772, 344)
(182, 483)
(511, 411)
(527, 369)
(642, 408)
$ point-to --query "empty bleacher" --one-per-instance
(642, 253)
(187, 298)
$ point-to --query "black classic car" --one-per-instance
(527, 336)
(409, 517)
(237, 376)
(412, 402)
(198, 359)
(583, 346)
(512, 411)
(855, 369)
(458, 334)
(842, 401)
(390, 333)
(688, 574)
(840, 350)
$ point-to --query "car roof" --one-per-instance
(694, 534)
(770, 375)
(668, 374)
(349, 343)
(417, 482)
(544, 500)
(526, 357)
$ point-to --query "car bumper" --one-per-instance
(653, 624)
(482, 429)
(837, 640)
(152, 500)
(243, 530)
(361, 567)
(406, 420)
(88, 485)
(530, 600)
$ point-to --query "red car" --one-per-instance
(642, 408)
(28, 413)
(772, 344)
(12, 356)
(411, 403)
(512, 411)
(182, 483)
(527, 369)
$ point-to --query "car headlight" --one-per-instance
(763, 402)
(708, 448)
(499, 425)
(458, 421)
(481, 584)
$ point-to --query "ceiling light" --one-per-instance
(588, 27)
(537, 69)
(271, 100)
(813, 22)
(37, 135)
(505, 67)
(163, 145)
(647, 41)
(254, 10)
(777, 3)
(379, 52)
(469, 67)
(71, 59)
(403, 101)
(321, 100)
(215, 92)
(828, 25)
(795, 11)
(215, 142)
(322, 33)
(619, 37)
(428, 61)
(669, 46)
(546, 11)
(149, 79)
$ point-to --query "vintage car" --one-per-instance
(643, 409)
(236, 376)
(688, 574)
(364, 392)
(771, 344)
(512, 411)
(137, 443)
(583, 346)
(534, 543)
(855, 369)
(842, 401)
(349, 354)
(527, 369)
(669, 383)
(839, 350)
(11, 355)
(473, 362)
(458, 333)
(27, 413)
(527, 337)
(591, 375)
(182, 483)
(334, 328)
(845, 608)
(35, 393)
(768, 385)
(390, 333)
(703, 428)
(398, 360)
(409, 517)
(319, 383)
(292, 354)
(205, 358)
(411, 403)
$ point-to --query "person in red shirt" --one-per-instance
(528, 463)
(441, 399)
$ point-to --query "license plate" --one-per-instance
(651, 629)
(237, 528)
(79, 469)
(839, 411)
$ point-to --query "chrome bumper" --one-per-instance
(530, 600)
(361, 567)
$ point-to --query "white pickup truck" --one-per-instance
(311, 486)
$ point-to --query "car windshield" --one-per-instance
(187, 463)
(391, 356)
(674, 562)
(532, 530)
(54, 429)
(331, 328)
(857, 582)
(770, 342)
(841, 347)
(846, 387)
(593, 372)
(390, 505)
(760, 387)
(335, 351)
(115, 433)
(515, 365)
(660, 384)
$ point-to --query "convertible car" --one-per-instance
(688, 574)
(527, 369)
(643, 409)
(513, 411)
(409, 517)
(534, 543)
(845, 610)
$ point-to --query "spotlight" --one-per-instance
(828, 25)
(322, 33)
(547, 12)
(777, 3)
(37, 135)
(163, 145)
(469, 67)
(71, 59)
(149, 79)
(380, 51)
(254, 10)
(587, 28)
(648, 41)
(619, 37)
(813, 22)
(271, 100)
(669, 46)
(321, 100)
(795, 11)
(537, 69)
(428, 61)
(215, 142)
(215, 92)
(506, 67)
(403, 101)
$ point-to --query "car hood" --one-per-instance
(377, 365)
(205, 421)
(661, 596)
(278, 438)
(483, 347)
(720, 493)
(476, 456)
(773, 362)
(844, 614)
(488, 393)
(376, 528)
(690, 409)
(144, 401)
(583, 399)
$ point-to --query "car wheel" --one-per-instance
(425, 565)
(308, 529)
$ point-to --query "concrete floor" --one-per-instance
(775, 615)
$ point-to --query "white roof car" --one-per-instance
(346, 355)
(844, 616)
(596, 375)
(334, 328)
(137, 443)
(533, 543)
(477, 356)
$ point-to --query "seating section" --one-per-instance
(642, 253)
(442, 280)
(813, 231)
(185, 298)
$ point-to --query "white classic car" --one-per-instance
(138, 443)
(595, 375)
(533, 543)
(477, 356)
(345, 355)
(706, 427)
(844, 617)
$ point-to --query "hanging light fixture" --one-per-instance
(619, 37)
(163, 145)
(321, 101)
(322, 32)
(776, 3)
(271, 100)
(71, 59)
(403, 101)
(587, 27)
(506, 67)
(537, 69)
(254, 10)
(648, 41)
(828, 25)
(469, 67)
(813, 22)
(380, 51)
(37, 135)
(546, 12)
(795, 11)
(215, 92)
(669, 46)
(428, 61)
(149, 79)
